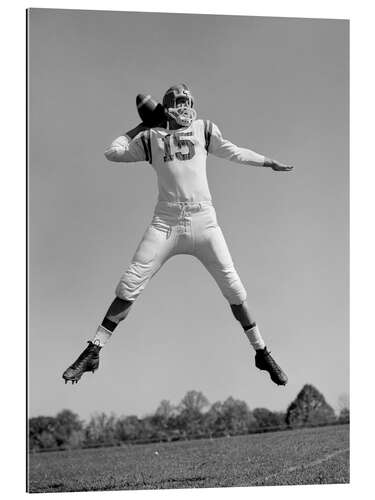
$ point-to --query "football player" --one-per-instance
(184, 221)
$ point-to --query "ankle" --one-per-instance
(255, 338)
(101, 337)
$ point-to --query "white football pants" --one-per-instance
(182, 228)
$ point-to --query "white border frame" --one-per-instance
(13, 208)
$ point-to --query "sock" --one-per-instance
(248, 326)
(255, 338)
(108, 324)
(102, 336)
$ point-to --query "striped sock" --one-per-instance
(255, 338)
(102, 336)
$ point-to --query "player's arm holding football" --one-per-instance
(131, 147)
(127, 147)
(223, 148)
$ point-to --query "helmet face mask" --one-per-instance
(178, 102)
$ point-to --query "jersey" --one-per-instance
(179, 157)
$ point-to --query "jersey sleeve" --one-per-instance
(124, 149)
(222, 148)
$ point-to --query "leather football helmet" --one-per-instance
(178, 102)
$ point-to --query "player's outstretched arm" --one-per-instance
(223, 148)
(125, 149)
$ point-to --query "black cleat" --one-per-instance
(264, 361)
(87, 361)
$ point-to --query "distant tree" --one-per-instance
(237, 416)
(214, 421)
(149, 429)
(267, 419)
(165, 410)
(128, 428)
(344, 416)
(46, 441)
(101, 430)
(68, 429)
(193, 401)
(280, 416)
(190, 417)
(163, 420)
(309, 408)
(42, 433)
(344, 411)
(39, 424)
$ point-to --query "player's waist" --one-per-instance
(182, 208)
(178, 205)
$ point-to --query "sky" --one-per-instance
(277, 86)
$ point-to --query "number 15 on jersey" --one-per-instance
(183, 147)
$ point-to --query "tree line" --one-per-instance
(192, 418)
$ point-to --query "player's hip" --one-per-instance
(199, 215)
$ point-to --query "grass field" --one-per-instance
(306, 456)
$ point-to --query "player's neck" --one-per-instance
(172, 125)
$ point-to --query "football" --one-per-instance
(152, 113)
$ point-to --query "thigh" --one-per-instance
(212, 249)
(154, 249)
(213, 252)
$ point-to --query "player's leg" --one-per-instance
(154, 249)
(213, 252)
(89, 358)
(242, 314)
(263, 358)
(117, 312)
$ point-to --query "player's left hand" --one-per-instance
(276, 166)
(279, 167)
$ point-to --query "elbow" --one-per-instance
(111, 155)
